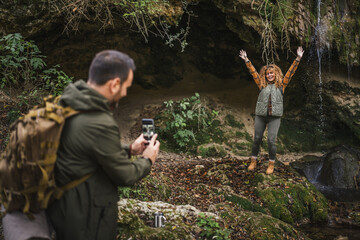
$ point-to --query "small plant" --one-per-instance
(13, 114)
(186, 123)
(128, 192)
(211, 229)
(55, 80)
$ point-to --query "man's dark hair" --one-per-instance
(110, 64)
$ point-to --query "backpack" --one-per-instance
(27, 179)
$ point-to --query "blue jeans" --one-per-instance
(273, 128)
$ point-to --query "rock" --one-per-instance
(136, 220)
(308, 166)
(291, 201)
(341, 168)
(257, 225)
(336, 174)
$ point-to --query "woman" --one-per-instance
(269, 106)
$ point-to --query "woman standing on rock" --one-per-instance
(269, 106)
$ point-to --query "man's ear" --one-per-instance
(114, 85)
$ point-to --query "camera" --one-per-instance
(148, 128)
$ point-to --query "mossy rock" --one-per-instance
(292, 201)
(256, 225)
(136, 220)
(244, 203)
(151, 188)
(211, 150)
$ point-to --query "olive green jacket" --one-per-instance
(90, 143)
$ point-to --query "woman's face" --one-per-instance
(270, 75)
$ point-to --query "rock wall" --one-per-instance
(215, 31)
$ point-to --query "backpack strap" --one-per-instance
(59, 191)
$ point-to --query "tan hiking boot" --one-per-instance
(252, 164)
(270, 168)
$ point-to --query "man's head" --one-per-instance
(111, 73)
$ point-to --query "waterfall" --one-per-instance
(320, 33)
(348, 62)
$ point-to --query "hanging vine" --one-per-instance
(158, 18)
(280, 18)
(147, 17)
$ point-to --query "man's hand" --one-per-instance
(243, 55)
(152, 150)
(138, 146)
(300, 52)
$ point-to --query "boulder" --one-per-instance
(341, 167)
(336, 174)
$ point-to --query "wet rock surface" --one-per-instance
(336, 174)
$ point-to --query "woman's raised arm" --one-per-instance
(293, 67)
(243, 55)
(251, 68)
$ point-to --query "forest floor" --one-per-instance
(179, 168)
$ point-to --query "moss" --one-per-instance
(259, 178)
(211, 151)
(243, 146)
(256, 225)
(239, 134)
(265, 227)
(299, 136)
(216, 134)
(151, 188)
(230, 120)
(280, 148)
(244, 203)
(294, 202)
(248, 137)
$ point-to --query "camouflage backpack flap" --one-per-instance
(27, 180)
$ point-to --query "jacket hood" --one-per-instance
(80, 96)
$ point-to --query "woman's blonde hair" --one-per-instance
(278, 75)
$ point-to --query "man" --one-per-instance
(90, 143)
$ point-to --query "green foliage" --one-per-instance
(13, 114)
(157, 17)
(186, 123)
(27, 99)
(55, 80)
(23, 67)
(20, 60)
(211, 229)
(127, 192)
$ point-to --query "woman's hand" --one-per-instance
(243, 55)
(300, 52)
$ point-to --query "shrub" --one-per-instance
(186, 123)
(23, 67)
